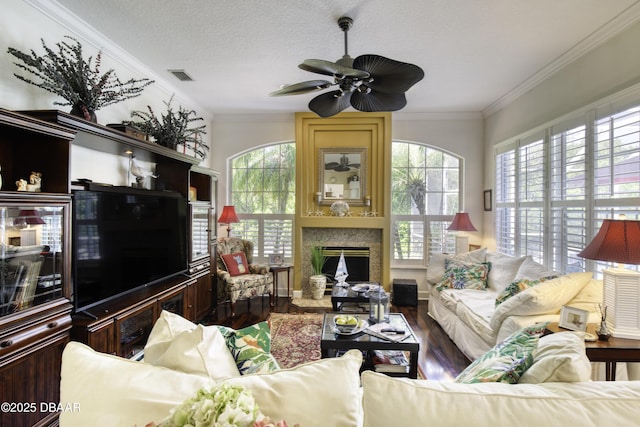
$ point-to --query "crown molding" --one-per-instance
(76, 25)
(617, 25)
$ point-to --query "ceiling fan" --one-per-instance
(343, 166)
(367, 83)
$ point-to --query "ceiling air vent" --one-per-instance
(181, 75)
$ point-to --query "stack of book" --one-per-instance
(390, 361)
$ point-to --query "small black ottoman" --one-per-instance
(405, 292)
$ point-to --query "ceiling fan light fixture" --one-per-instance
(376, 83)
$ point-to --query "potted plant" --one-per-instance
(172, 128)
(66, 73)
(317, 281)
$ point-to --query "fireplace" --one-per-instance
(356, 259)
(369, 239)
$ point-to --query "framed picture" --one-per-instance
(573, 318)
(276, 259)
(487, 200)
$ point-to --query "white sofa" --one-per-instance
(104, 390)
(472, 320)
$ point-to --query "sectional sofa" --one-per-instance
(104, 390)
(467, 310)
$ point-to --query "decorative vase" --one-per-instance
(603, 331)
(81, 110)
(318, 284)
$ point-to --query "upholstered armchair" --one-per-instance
(238, 276)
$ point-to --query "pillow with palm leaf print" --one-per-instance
(251, 348)
(459, 275)
(508, 360)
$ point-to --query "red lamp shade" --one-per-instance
(28, 217)
(618, 240)
(228, 215)
(461, 222)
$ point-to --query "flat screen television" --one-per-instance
(125, 239)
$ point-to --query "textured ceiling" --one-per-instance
(474, 53)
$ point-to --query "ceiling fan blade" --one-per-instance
(378, 101)
(330, 103)
(332, 69)
(389, 75)
(302, 87)
(331, 165)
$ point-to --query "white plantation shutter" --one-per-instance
(554, 191)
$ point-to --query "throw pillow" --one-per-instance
(532, 270)
(545, 298)
(517, 286)
(560, 357)
(178, 344)
(435, 270)
(325, 392)
(507, 361)
(236, 264)
(112, 391)
(459, 275)
(503, 270)
(251, 348)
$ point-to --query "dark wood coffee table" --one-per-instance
(341, 295)
(331, 343)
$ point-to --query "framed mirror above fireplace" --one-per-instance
(342, 175)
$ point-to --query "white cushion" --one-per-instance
(503, 270)
(589, 297)
(324, 392)
(560, 357)
(435, 269)
(547, 297)
(112, 391)
(531, 270)
(402, 402)
(178, 344)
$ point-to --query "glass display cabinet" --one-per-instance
(33, 236)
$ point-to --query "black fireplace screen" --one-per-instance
(356, 258)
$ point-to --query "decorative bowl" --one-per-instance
(346, 328)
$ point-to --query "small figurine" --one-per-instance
(21, 184)
(35, 182)
(0, 180)
(139, 172)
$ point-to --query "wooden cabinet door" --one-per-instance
(133, 329)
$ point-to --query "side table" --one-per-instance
(610, 352)
(275, 270)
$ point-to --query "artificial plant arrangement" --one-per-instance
(172, 128)
(318, 259)
(66, 73)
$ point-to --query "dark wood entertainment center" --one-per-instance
(33, 336)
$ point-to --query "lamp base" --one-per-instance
(462, 244)
(622, 299)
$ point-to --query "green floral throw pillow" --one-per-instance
(507, 361)
(518, 286)
(458, 275)
(251, 348)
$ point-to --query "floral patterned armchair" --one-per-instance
(238, 277)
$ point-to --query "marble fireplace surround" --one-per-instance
(344, 237)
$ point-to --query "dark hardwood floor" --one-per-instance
(439, 358)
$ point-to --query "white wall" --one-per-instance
(607, 69)
(22, 25)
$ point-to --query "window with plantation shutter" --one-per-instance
(424, 198)
(554, 191)
(263, 193)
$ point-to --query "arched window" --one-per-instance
(263, 187)
(425, 195)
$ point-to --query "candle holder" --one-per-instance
(379, 306)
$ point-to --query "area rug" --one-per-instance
(325, 302)
(295, 338)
